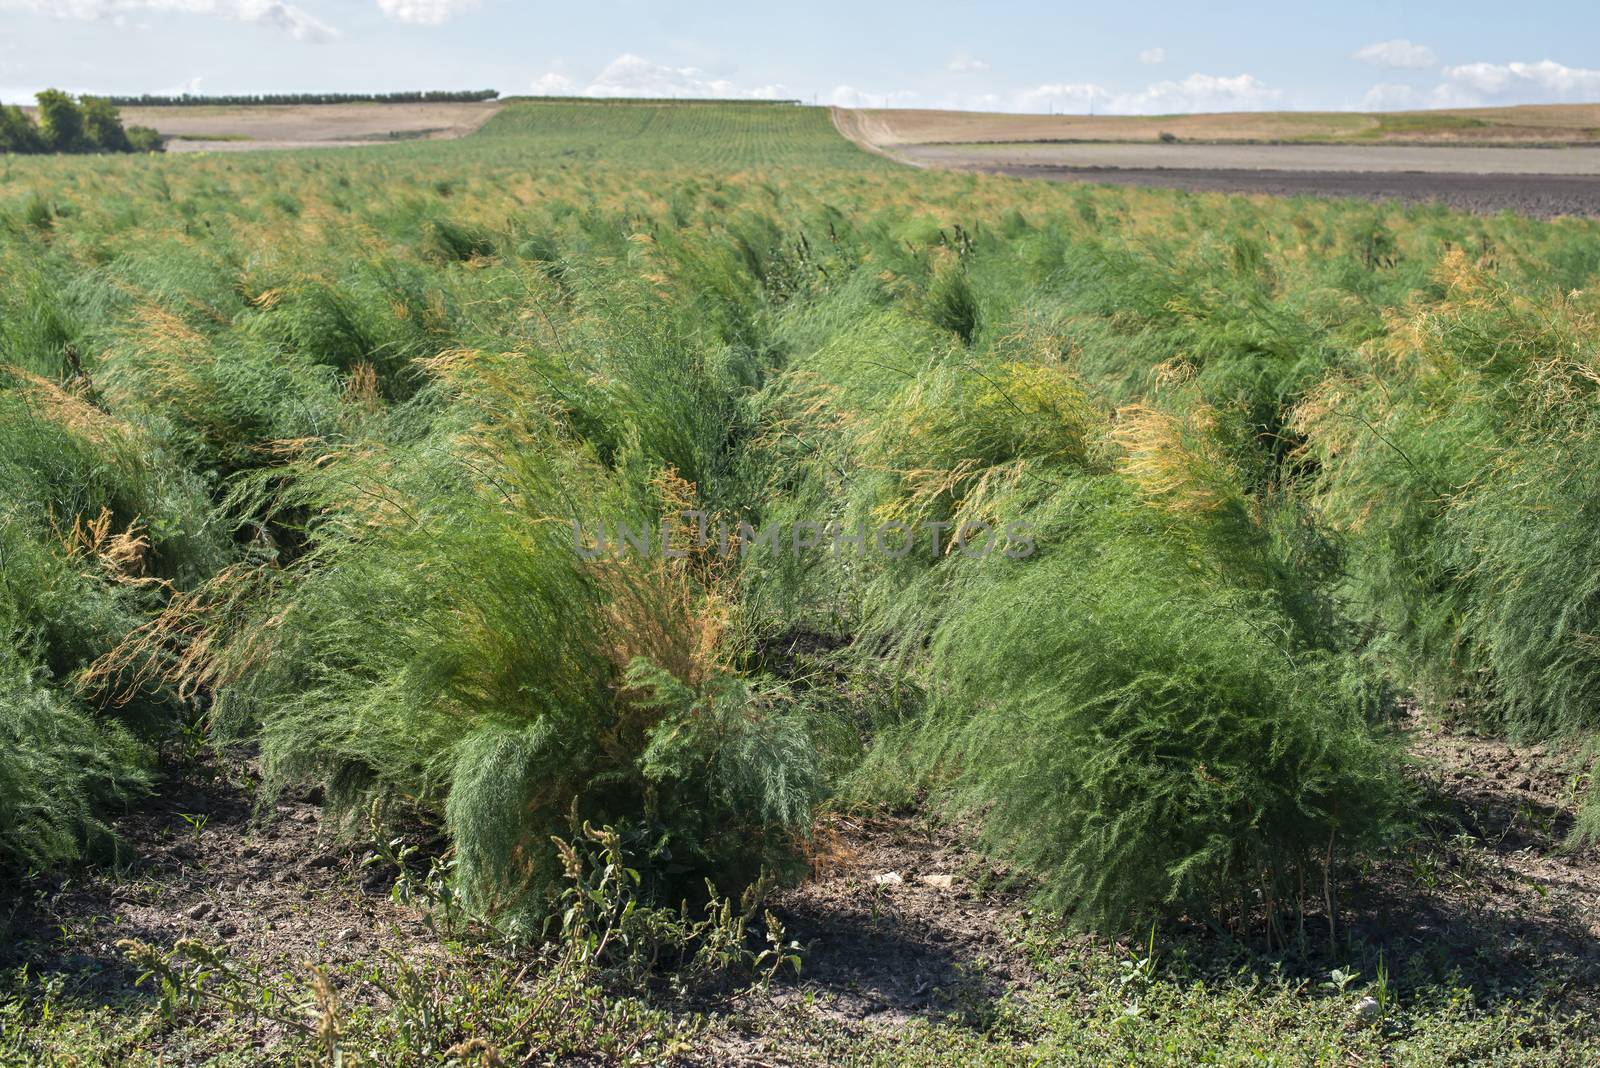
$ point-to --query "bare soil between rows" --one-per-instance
(900, 918)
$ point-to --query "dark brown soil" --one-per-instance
(271, 886)
(900, 918)
(1491, 887)
(1486, 892)
(1537, 195)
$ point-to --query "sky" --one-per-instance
(1002, 55)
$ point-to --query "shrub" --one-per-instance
(1145, 742)
(225, 403)
(105, 517)
(61, 767)
(59, 770)
(1154, 711)
(1460, 473)
(733, 770)
(442, 641)
(145, 139)
(93, 524)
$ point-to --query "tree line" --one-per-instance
(68, 124)
(428, 96)
(625, 101)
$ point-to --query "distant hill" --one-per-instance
(1534, 124)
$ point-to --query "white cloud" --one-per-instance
(1491, 85)
(1061, 96)
(1198, 92)
(424, 12)
(1399, 53)
(296, 22)
(554, 84)
(1153, 56)
(190, 87)
(1389, 96)
(1547, 82)
(848, 96)
(964, 62)
(635, 76)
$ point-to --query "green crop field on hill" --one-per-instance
(714, 136)
(1131, 534)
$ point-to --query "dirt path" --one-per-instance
(869, 132)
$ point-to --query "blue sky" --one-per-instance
(1002, 55)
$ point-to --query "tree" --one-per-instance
(88, 124)
(17, 132)
(103, 125)
(60, 122)
(256, 99)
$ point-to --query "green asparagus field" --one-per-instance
(595, 527)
